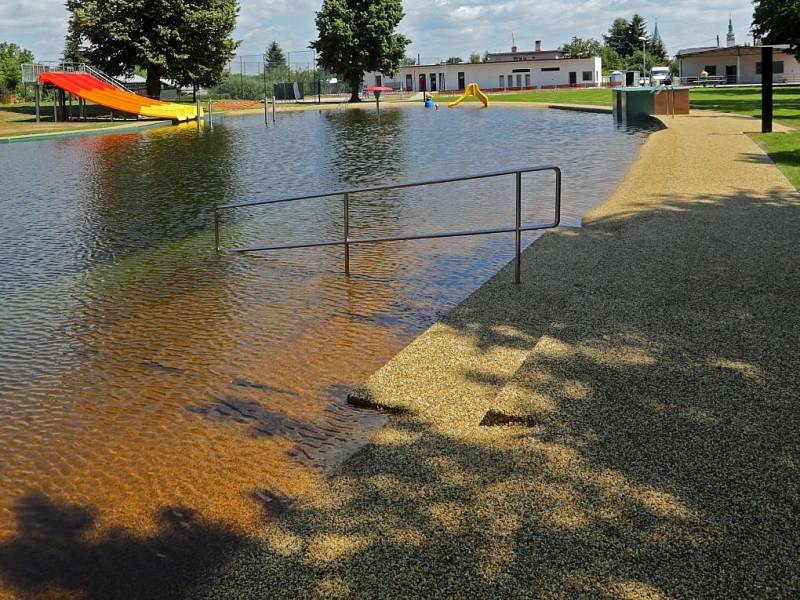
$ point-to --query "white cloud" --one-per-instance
(438, 28)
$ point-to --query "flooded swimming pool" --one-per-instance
(141, 370)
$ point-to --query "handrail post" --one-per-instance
(346, 233)
(216, 230)
(557, 220)
(518, 228)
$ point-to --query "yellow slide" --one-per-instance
(472, 90)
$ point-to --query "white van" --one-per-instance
(658, 75)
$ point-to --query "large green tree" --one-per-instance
(637, 30)
(12, 57)
(617, 37)
(274, 56)
(356, 36)
(582, 48)
(186, 40)
(778, 22)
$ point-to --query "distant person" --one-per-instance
(429, 103)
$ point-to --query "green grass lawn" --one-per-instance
(593, 96)
(784, 150)
(747, 101)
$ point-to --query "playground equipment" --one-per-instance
(472, 90)
(86, 83)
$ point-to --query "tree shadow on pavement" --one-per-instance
(661, 457)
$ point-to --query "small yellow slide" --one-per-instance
(472, 90)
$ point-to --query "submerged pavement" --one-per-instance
(624, 423)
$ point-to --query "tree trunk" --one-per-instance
(154, 82)
(355, 87)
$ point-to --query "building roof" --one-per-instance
(497, 62)
(728, 50)
(519, 53)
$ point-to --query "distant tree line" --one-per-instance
(621, 48)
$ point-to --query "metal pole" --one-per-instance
(557, 219)
(197, 111)
(273, 109)
(644, 61)
(37, 88)
(518, 227)
(346, 233)
(264, 72)
(210, 116)
(266, 118)
(766, 89)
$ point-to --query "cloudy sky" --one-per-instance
(438, 28)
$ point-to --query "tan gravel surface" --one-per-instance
(650, 365)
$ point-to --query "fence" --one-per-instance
(251, 77)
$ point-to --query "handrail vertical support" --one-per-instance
(518, 228)
(557, 216)
(216, 230)
(346, 233)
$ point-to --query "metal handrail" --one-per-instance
(31, 72)
(518, 228)
(107, 78)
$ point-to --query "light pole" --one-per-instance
(444, 77)
(644, 56)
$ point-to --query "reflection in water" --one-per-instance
(360, 135)
(140, 370)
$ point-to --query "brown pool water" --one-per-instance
(147, 382)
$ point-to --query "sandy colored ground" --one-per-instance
(650, 361)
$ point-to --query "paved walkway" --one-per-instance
(649, 367)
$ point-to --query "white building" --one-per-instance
(737, 64)
(503, 71)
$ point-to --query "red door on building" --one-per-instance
(422, 83)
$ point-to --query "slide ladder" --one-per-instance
(84, 84)
(472, 90)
